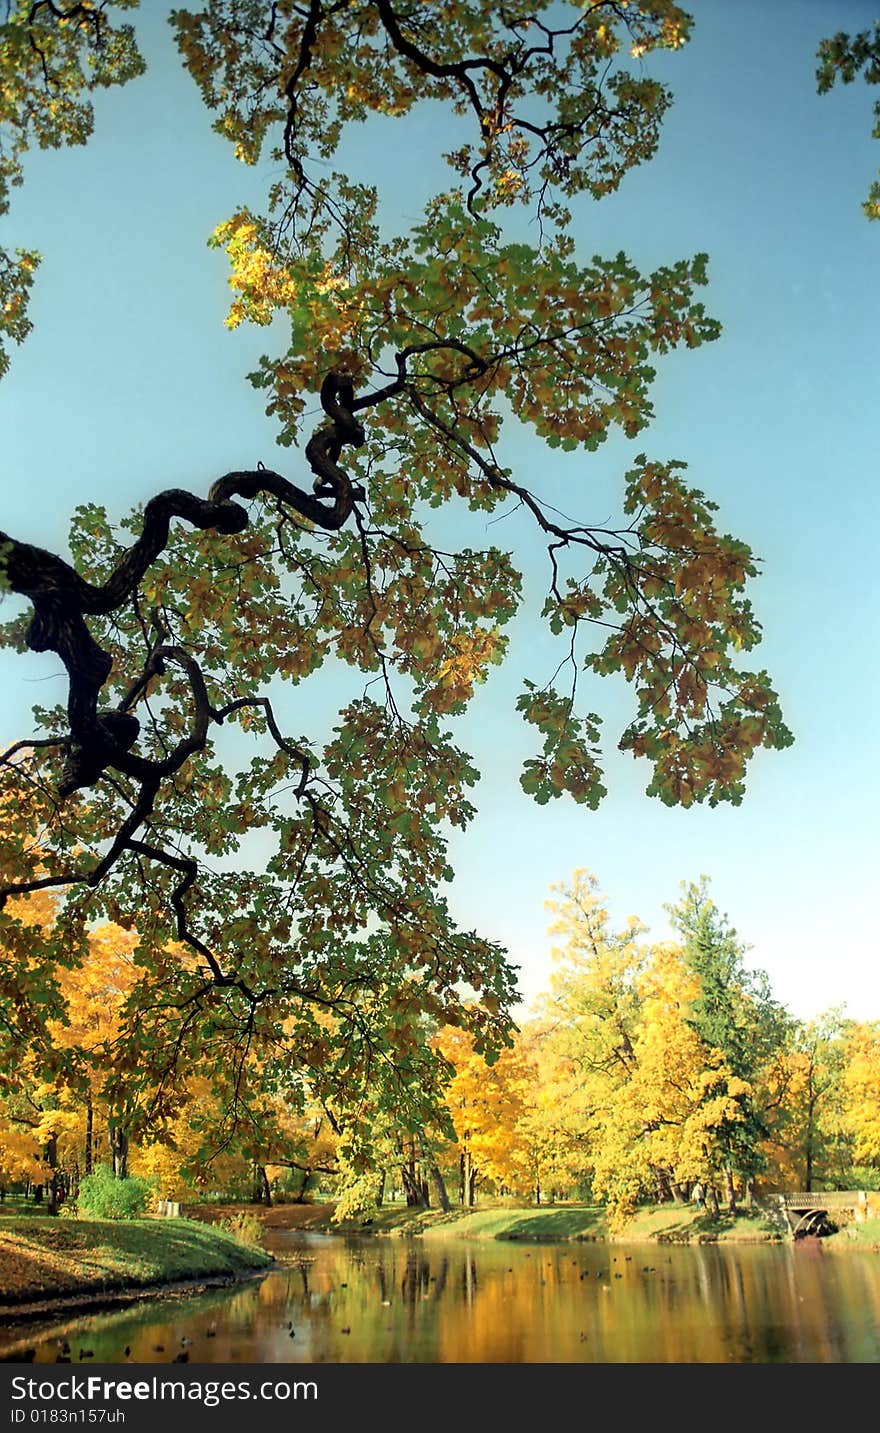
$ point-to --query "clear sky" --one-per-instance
(130, 384)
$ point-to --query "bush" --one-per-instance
(246, 1228)
(103, 1196)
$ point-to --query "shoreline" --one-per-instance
(100, 1297)
(50, 1265)
(561, 1224)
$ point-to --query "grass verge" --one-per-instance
(863, 1235)
(43, 1259)
(655, 1224)
(685, 1224)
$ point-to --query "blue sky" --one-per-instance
(130, 384)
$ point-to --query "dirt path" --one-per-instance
(279, 1216)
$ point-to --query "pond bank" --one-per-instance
(577, 1223)
(49, 1263)
(529, 1223)
(580, 1223)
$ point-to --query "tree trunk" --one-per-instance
(729, 1192)
(89, 1133)
(301, 1192)
(380, 1191)
(412, 1188)
(468, 1179)
(811, 1125)
(808, 1176)
(119, 1150)
(413, 1184)
(52, 1186)
(712, 1200)
(262, 1192)
(439, 1187)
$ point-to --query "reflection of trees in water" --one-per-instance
(415, 1286)
(449, 1303)
(440, 1283)
(469, 1279)
(383, 1281)
(418, 1283)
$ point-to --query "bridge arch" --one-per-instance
(812, 1221)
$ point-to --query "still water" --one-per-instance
(394, 1301)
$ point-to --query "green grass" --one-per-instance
(667, 1222)
(45, 1258)
(18, 1206)
(494, 1222)
(683, 1223)
(863, 1234)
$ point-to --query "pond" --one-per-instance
(379, 1300)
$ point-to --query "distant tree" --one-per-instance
(486, 1104)
(593, 1014)
(815, 1149)
(733, 1011)
(861, 1092)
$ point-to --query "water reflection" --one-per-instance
(392, 1301)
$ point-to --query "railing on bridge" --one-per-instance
(805, 1212)
(826, 1199)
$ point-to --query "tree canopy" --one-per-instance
(286, 888)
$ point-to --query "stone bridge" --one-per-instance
(810, 1213)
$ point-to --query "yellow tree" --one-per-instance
(683, 1090)
(660, 1104)
(486, 1103)
(550, 1127)
(20, 1160)
(96, 992)
(861, 1091)
(592, 1011)
(808, 1145)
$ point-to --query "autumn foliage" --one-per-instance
(248, 944)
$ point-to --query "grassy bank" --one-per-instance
(656, 1224)
(865, 1235)
(684, 1224)
(43, 1260)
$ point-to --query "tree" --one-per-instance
(592, 1014)
(861, 1113)
(423, 350)
(485, 1103)
(810, 1146)
(733, 1011)
(550, 1131)
(843, 57)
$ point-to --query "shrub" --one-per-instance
(246, 1228)
(103, 1196)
